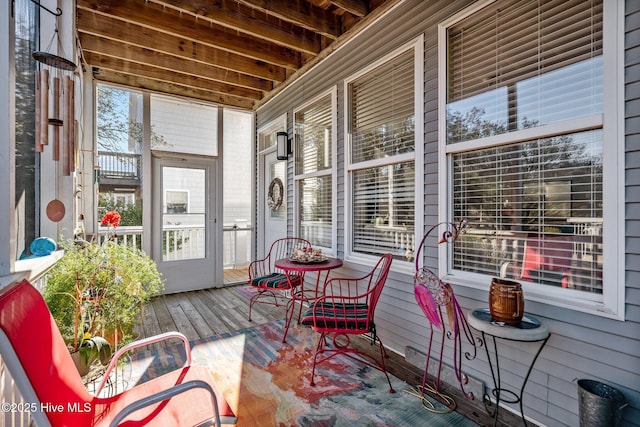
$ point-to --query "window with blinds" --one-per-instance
(384, 209)
(536, 202)
(519, 64)
(382, 110)
(382, 163)
(313, 171)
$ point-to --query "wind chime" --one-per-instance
(61, 119)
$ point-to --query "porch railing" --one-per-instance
(188, 242)
(119, 165)
(578, 252)
(237, 246)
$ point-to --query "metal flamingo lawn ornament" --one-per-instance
(435, 297)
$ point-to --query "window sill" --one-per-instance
(30, 269)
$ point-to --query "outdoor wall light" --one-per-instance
(283, 146)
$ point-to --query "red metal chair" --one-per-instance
(42, 367)
(346, 308)
(547, 258)
(268, 280)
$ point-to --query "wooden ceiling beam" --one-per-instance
(140, 55)
(233, 52)
(225, 14)
(300, 13)
(104, 62)
(172, 89)
(224, 62)
(168, 18)
(359, 8)
(184, 27)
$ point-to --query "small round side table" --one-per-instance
(529, 329)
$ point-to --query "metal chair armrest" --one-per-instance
(164, 395)
(140, 343)
(258, 268)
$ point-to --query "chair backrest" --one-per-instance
(378, 279)
(283, 248)
(353, 300)
(40, 349)
(547, 253)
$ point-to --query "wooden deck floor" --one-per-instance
(200, 314)
(203, 313)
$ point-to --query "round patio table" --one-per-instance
(301, 294)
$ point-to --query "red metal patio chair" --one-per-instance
(268, 280)
(346, 308)
(548, 258)
(42, 367)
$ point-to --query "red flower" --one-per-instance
(111, 218)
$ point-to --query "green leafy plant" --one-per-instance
(95, 348)
(96, 294)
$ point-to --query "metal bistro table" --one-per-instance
(529, 329)
(301, 294)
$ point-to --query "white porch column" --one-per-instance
(7, 141)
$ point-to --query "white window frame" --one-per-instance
(331, 172)
(611, 303)
(188, 207)
(407, 267)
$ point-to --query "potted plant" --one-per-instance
(96, 294)
(77, 328)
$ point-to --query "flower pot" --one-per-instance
(506, 301)
(83, 368)
(600, 404)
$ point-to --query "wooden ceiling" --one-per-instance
(230, 52)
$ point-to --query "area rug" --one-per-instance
(267, 382)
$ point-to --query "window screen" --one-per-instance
(181, 126)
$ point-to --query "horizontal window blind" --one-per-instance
(535, 209)
(313, 137)
(383, 210)
(315, 210)
(382, 110)
(520, 64)
(313, 125)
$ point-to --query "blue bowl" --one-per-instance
(43, 246)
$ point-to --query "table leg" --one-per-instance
(497, 385)
(291, 304)
(526, 378)
(302, 298)
(495, 377)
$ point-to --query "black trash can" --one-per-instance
(600, 404)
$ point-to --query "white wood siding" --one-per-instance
(582, 345)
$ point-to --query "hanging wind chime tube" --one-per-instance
(38, 147)
(73, 124)
(44, 108)
(66, 127)
(55, 120)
